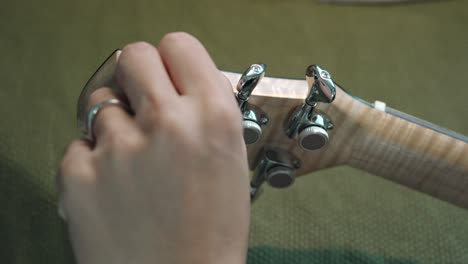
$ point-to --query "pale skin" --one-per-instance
(170, 183)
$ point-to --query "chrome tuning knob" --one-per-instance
(313, 137)
(252, 118)
(280, 176)
(277, 167)
(320, 85)
(252, 131)
(307, 124)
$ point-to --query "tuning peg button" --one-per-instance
(313, 138)
(252, 131)
(280, 177)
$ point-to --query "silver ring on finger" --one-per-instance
(89, 133)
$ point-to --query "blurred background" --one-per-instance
(412, 56)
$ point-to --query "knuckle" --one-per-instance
(100, 95)
(151, 115)
(155, 117)
(137, 47)
(70, 169)
(69, 158)
(66, 166)
(168, 125)
(131, 52)
(124, 141)
(73, 167)
(152, 103)
(175, 38)
(173, 125)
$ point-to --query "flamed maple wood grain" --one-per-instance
(363, 137)
(371, 140)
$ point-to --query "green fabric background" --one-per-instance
(414, 57)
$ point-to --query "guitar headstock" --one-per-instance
(306, 125)
(292, 127)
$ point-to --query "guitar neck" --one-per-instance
(412, 152)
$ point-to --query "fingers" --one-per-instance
(77, 155)
(191, 68)
(111, 120)
(141, 74)
(76, 159)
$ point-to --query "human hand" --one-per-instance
(168, 184)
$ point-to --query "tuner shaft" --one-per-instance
(306, 124)
(252, 119)
(275, 166)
